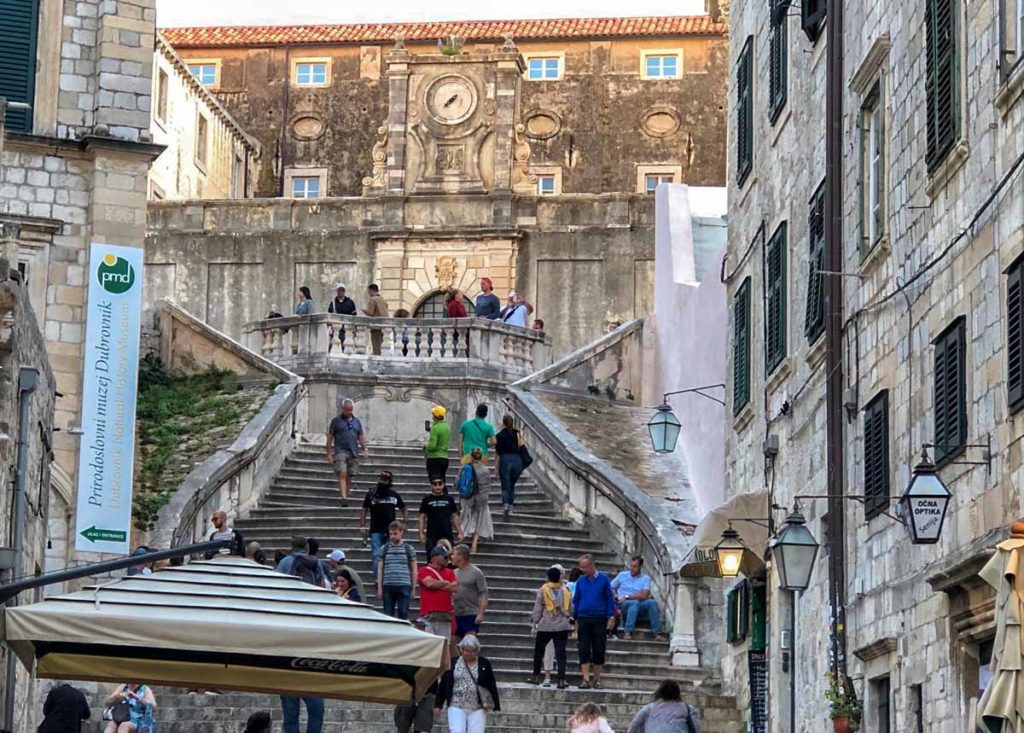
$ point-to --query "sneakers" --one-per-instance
(546, 682)
(660, 637)
(506, 510)
(584, 685)
(533, 679)
(628, 636)
(562, 684)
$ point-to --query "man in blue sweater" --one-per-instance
(593, 607)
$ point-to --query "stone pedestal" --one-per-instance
(684, 631)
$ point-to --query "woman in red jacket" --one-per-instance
(456, 308)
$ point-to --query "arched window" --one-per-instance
(433, 306)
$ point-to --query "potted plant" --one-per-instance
(844, 707)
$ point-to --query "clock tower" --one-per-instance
(453, 124)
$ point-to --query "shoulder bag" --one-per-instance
(524, 452)
(483, 695)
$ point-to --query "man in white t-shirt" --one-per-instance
(516, 311)
(633, 594)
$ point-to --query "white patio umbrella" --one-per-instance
(226, 624)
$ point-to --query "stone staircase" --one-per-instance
(304, 500)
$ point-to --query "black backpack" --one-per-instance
(305, 573)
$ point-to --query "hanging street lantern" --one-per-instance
(664, 429)
(794, 550)
(923, 505)
(730, 553)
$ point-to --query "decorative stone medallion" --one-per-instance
(542, 124)
(660, 121)
(308, 127)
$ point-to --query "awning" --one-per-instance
(702, 560)
(226, 624)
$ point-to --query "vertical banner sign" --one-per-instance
(758, 667)
(109, 381)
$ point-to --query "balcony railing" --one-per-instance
(339, 339)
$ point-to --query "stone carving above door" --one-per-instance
(445, 270)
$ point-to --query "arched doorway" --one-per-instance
(433, 306)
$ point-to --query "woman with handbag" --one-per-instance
(469, 689)
(513, 458)
(129, 709)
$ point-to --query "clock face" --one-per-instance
(451, 99)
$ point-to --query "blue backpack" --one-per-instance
(468, 485)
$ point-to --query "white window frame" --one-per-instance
(552, 172)
(161, 103)
(311, 61)
(215, 63)
(874, 209)
(291, 174)
(557, 56)
(202, 142)
(662, 170)
(661, 53)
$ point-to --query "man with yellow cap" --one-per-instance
(437, 444)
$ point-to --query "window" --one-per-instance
(917, 708)
(758, 615)
(434, 306)
(876, 455)
(202, 140)
(872, 131)
(741, 348)
(653, 180)
(546, 185)
(942, 85)
(812, 17)
(736, 614)
(880, 693)
(311, 74)
(1012, 16)
(950, 392)
(661, 65)
(814, 317)
(779, 60)
(744, 112)
(18, 32)
(237, 177)
(1015, 335)
(161, 94)
(544, 68)
(205, 73)
(306, 187)
(775, 297)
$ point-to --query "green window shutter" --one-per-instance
(736, 618)
(742, 611)
(942, 80)
(745, 112)
(741, 348)
(1015, 335)
(730, 616)
(812, 16)
(775, 287)
(876, 455)
(814, 316)
(950, 392)
(18, 30)
(779, 60)
(758, 616)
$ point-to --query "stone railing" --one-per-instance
(297, 339)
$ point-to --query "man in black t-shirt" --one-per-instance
(381, 501)
(64, 710)
(439, 516)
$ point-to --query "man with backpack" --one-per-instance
(381, 503)
(301, 565)
(396, 569)
(438, 516)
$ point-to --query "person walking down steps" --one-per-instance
(346, 441)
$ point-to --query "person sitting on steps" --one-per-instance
(633, 594)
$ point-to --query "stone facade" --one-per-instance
(76, 172)
(208, 155)
(22, 350)
(594, 124)
(916, 623)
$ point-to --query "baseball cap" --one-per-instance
(438, 551)
(557, 567)
(336, 555)
(438, 411)
(340, 286)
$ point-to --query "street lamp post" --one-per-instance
(924, 503)
(664, 426)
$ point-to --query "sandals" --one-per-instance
(584, 685)
(597, 685)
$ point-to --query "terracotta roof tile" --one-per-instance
(223, 36)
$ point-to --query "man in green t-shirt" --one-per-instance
(476, 433)
(436, 446)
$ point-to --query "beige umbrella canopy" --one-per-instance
(702, 560)
(1001, 708)
(226, 624)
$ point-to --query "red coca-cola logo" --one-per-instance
(337, 666)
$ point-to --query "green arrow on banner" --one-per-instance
(104, 535)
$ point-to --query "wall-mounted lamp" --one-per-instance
(664, 426)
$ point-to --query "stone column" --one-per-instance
(684, 629)
(398, 101)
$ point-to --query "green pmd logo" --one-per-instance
(115, 274)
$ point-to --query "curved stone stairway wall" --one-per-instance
(304, 500)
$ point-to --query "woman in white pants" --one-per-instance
(469, 689)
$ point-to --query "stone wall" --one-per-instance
(591, 129)
(915, 613)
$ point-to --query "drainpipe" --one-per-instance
(28, 380)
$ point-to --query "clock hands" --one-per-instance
(451, 100)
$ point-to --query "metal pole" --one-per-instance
(834, 336)
(792, 657)
(28, 379)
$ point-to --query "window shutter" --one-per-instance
(812, 16)
(814, 317)
(1015, 336)
(741, 348)
(18, 30)
(730, 617)
(758, 616)
(742, 612)
(744, 112)
(942, 85)
(950, 393)
(778, 61)
(876, 456)
(775, 284)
